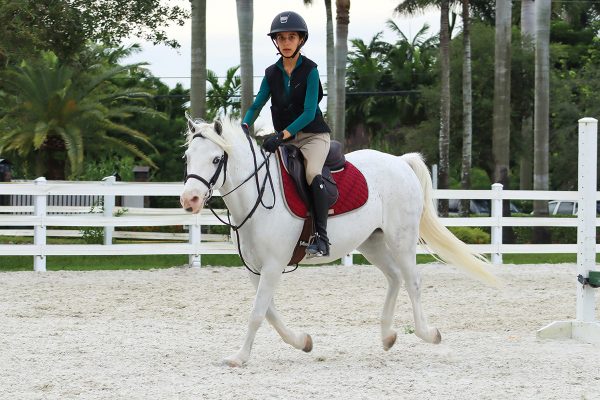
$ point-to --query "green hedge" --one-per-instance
(470, 235)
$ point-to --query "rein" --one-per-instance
(222, 166)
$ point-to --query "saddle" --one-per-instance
(344, 183)
(293, 162)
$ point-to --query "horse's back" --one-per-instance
(386, 172)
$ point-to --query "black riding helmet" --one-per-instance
(289, 21)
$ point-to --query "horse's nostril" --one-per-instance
(189, 209)
(195, 199)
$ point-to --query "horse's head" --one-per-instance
(206, 163)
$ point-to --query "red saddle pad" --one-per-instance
(352, 187)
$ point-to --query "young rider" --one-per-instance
(295, 90)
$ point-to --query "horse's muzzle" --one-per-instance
(191, 202)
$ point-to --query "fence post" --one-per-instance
(39, 231)
(195, 232)
(496, 231)
(586, 215)
(348, 260)
(109, 208)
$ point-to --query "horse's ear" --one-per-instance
(218, 127)
(191, 126)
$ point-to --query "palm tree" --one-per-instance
(365, 72)
(331, 90)
(245, 17)
(465, 176)
(541, 133)
(341, 53)
(444, 143)
(502, 60)
(527, 38)
(331, 102)
(411, 7)
(224, 99)
(56, 113)
(501, 119)
(410, 65)
(198, 84)
(379, 66)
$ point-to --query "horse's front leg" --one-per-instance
(269, 279)
(301, 341)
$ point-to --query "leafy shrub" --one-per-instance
(470, 235)
(95, 234)
(98, 169)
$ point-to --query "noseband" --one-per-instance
(221, 165)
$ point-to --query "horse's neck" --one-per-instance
(242, 199)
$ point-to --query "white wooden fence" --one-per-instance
(42, 216)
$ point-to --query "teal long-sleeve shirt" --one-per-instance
(310, 101)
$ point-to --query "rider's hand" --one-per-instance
(272, 142)
(246, 129)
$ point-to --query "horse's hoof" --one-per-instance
(437, 337)
(432, 335)
(307, 344)
(233, 362)
(389, 341)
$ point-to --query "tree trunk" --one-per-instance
(541, 130)
(341, 53)
(501, 130)
(528, 19)
(245, 17)
(54, 156)
(465, 176)
(330, 68)
(525, 160)
(198, 84)
(444, 140)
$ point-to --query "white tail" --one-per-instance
(437, 237)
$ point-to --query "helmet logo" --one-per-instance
(283, 19)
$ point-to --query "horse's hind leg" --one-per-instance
(375, 250)
(301, 341)
(412, 279)
(397, 266)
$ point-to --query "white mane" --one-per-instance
(231, 135)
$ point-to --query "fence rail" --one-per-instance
(40, 218)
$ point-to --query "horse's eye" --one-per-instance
(217, 160)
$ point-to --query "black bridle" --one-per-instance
(222, 166)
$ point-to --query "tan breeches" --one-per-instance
(314, 148)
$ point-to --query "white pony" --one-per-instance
(398, 213)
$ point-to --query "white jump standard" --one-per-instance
(584, 327)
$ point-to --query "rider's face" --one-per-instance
(288, 42)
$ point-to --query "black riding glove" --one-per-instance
(246, 129)
(272, 142)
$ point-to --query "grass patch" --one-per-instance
(144, 262)
(87, 263)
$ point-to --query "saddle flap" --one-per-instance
(335, 158)
(295, 167)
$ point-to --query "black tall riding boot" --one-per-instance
(320, 245)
